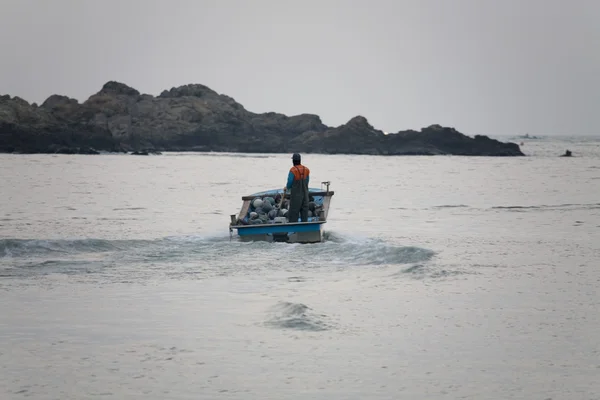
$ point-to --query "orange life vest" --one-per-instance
(300, 172)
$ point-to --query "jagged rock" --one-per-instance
(20, 101)
(57, 101)
(357, 136)
(118, 88)
(145, 152)
(195, 90)
(436, 140)
(73, 150)
(196, 118)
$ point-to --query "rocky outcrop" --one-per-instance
(196, 118)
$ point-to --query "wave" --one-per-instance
(296, 316)
(32, 247)
(198, 256)
(366, 251)
(552, 207)
(452, 206)
(431, 271)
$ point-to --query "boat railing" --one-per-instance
(287, 195)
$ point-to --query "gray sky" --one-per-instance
(483, 66)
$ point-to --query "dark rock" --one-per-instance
(357, 136)
(145, 152)
(118, 88)
(196, 118)
(57, 101)
(87, 150)
(71, 150)
(195, 90)
(20, 101)
(568, 153)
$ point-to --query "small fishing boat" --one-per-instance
(280, 229)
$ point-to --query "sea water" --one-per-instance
(439, 277)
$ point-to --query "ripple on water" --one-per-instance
(296, 316)
(434, 271)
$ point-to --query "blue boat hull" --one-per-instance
(301, 232)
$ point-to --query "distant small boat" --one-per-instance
(527, 136)
(279, 229)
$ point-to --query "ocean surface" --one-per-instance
(439, 278)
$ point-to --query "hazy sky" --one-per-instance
(482, 66)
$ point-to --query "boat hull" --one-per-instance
(301, 232)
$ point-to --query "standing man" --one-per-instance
(297, 185)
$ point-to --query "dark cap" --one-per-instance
(296, 157)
